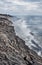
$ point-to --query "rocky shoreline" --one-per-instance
(13, 50)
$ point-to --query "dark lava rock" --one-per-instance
(13, 50)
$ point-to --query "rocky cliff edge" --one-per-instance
(13, 50)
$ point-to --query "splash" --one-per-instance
(24, 32)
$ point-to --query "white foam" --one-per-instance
(21, 24)
(24, 33)
(39, 53)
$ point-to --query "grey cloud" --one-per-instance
(8, 7)
(32, 0)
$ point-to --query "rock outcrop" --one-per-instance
(13, 50)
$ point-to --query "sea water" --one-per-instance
(29, 28)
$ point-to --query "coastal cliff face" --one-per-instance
(13, 50)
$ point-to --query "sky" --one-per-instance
(21, 7)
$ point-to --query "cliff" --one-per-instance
(13, 50)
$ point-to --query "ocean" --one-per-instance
(29, 28)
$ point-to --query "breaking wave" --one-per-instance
(25, 31)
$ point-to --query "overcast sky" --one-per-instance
(21, 7)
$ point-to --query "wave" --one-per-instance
(24, 32)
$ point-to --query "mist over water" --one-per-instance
(29, 28)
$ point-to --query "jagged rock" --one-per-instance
(13, 50)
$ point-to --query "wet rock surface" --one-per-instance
(13, 50)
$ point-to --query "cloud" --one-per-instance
(32, 0)
(21, 6)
